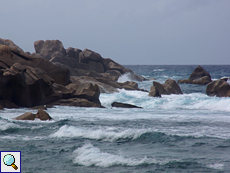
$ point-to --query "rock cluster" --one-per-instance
(41, 114)
(169, 87)
(54, 75)
(199, 76)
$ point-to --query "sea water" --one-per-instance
(174, 133)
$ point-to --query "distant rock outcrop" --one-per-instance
(169, 87)
(199, 76)
(219, 88)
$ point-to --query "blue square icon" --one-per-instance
(10, 161)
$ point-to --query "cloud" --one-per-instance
(130, 31)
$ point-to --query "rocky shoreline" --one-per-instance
(54, 75)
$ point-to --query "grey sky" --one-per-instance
(136, 32)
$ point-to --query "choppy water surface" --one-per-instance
(175, 133)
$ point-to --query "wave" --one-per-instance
(195, 101)
(103, 133)
(89, 155)
(160, 69)
(122, 135)
(126, 77)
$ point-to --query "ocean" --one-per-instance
(174, 133)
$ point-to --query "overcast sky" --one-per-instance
(138, 32)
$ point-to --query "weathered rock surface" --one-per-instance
(9, 56)
(199, 76)
(10, 43)
(26, 116)
(24, 86)
(76, 102)
(169, 87)
(85, 90)
(41, 114)
(219, 88)
(123, 105)
(154, 92)
(29, 80)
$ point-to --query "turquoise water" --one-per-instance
(175, 133)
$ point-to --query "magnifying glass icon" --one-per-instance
(9, 160)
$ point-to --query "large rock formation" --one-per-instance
(169, 87)
(81, 63)
(28, 80)
(199, 76)
(219, 88)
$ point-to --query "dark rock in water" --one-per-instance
(172, 87)
(42, 115)
(202, 80)
(169, 87)
(79, 102)
(26, 116)
(154, 92)
(199, 76)
(219, 88)
(198, 73)
(123, 105)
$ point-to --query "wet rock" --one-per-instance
(199, 76)
(78, 102)
(42, 115)
(123, 105)
(154, 92)
(85, 90)
(26, 116)
(169, 87)
(219, 88)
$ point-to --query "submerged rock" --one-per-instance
(123, 105)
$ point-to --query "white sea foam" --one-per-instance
(126, 77)
(216, 166)
(160, 69)
(89, 155)
(7, 125)
(99, 133)
(168, 102)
